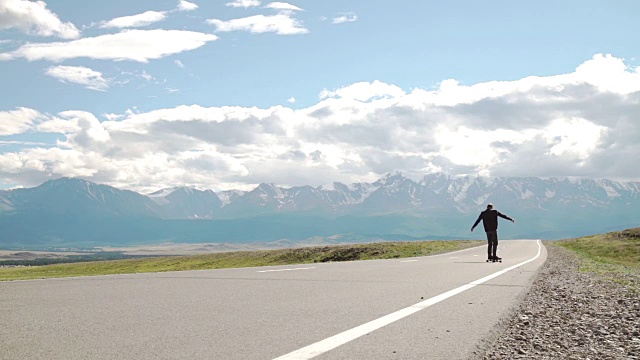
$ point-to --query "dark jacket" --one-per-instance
(490, 219)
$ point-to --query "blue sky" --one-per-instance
(229, 94)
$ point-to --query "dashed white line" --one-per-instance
(293, 269)
(406, 261)
(333, 342)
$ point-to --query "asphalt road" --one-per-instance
(436, 307)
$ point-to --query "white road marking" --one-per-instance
(333, 342)
(453, 257)
(293, 269)
(405, 261)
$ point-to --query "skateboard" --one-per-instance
(498, 259)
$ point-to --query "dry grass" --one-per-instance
(386, 250)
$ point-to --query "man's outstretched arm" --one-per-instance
(476, 223)
(505, 217)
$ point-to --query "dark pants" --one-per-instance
(492, 240)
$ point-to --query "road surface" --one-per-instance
(435, 307)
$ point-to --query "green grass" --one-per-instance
(385, 250)
(617, 248)
(615, 255)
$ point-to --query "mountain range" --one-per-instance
(71, 212)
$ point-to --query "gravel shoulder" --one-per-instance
(568, 314)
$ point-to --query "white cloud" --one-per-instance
(281, 24)
(28, 143)
(345, 17)
(90, 129)
(291, 100)
(609, 73)
(364, 91)
(179, 63)
(576, 137)
(18, 121)
(40, 164)
(84, 132)
(575, 124)
(34, 18)
(139, 20)
(89, 78)
(186, 6)
(113, 117)
(135, 45)
(283, 6)
(244, 3)
(145, 75)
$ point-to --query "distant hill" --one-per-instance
(73, 212)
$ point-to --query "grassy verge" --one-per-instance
(386, 250)
(614, 255)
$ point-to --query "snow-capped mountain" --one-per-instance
(436, 205)
(187, 203)
(72, 196)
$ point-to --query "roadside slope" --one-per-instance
(572, 314)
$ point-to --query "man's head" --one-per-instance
(489, 206)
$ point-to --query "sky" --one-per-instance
(151, 94)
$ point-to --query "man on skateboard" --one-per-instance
(489, 219)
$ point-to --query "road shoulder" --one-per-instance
(568, 314)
